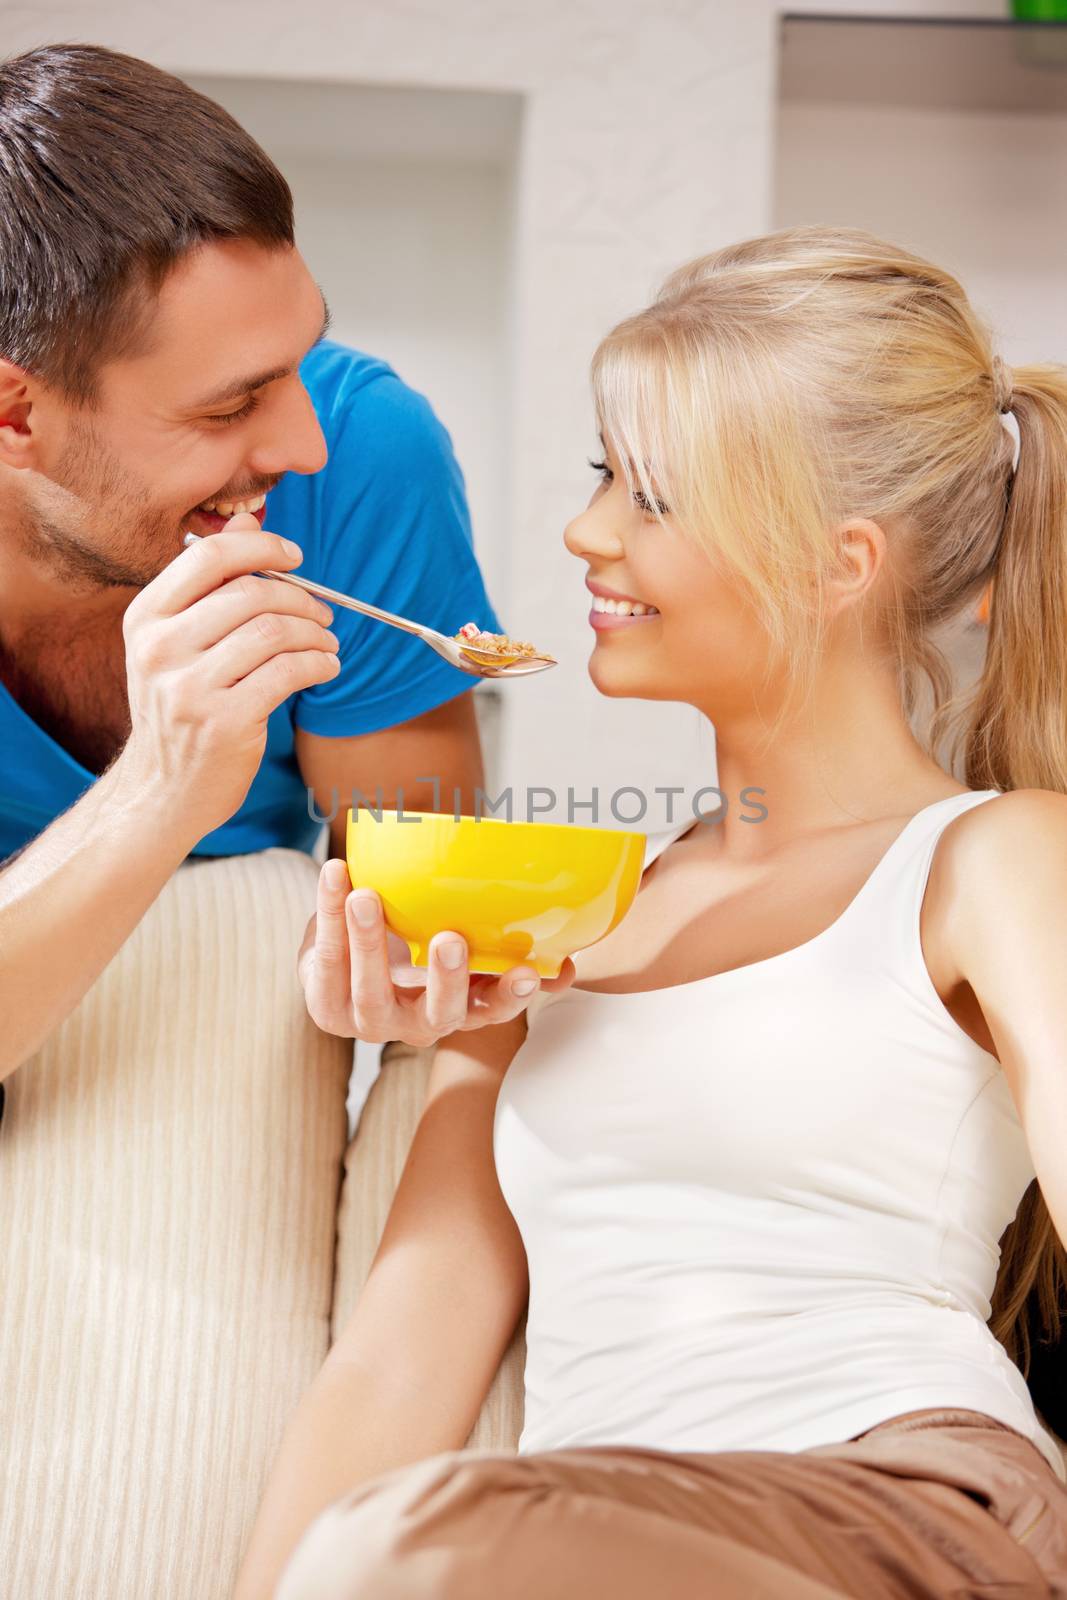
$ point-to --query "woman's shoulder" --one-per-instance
(991, 850)
(993, 866)
(981, 834)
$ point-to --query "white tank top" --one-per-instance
(761, 1210)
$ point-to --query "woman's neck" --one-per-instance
(848, 757)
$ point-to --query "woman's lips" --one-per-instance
(605, 621)
(212, 522)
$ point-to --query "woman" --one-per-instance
(752, 1168)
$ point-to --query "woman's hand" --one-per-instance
(352, 969)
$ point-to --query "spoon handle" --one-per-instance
(339, 599)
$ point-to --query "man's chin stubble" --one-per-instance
(69, 561)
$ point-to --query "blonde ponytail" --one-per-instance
(1017, 738)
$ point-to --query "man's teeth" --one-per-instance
(623, 608)
(231, 508)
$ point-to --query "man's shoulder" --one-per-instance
(335, 373)
(365, 408)
(388, 455)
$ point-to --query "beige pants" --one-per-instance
(170, 1170)
(930, 1506)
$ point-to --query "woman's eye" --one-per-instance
(235, 416)
(651, 508)
(640, 499)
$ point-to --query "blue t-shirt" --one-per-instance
(385, 520)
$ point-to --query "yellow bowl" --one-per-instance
(531, 892)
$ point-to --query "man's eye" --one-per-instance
(235, 416)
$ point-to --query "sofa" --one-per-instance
(183, 1231)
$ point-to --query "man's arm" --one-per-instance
(71, 898)
(211, 650)
(442, 744)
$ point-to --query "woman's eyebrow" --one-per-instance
(241, 386)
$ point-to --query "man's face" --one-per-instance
(211, 411)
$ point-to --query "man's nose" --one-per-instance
(292, 440)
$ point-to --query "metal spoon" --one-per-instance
(468, 658)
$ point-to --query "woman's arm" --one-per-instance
(410, 1371)
(1008, 935)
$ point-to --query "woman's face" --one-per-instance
(695, 640)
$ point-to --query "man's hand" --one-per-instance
(351, 988)
(211, 651)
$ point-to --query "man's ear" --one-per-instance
(17, 444)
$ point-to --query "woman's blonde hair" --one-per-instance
(785, 384)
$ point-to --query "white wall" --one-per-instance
(1003, 231)
(404, 210)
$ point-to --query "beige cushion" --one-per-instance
(169, 1168)
(373, 1165)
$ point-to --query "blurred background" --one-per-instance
(484, 186)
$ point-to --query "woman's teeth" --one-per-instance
(623, 608)
(232, 508)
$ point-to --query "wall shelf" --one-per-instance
(945, 64)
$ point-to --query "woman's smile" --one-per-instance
(611, 609)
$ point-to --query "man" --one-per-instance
(161, 367)
(171, 1148)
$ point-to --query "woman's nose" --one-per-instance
(592, 532)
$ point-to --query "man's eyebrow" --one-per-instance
(258, 380)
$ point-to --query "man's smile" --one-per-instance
(211, 515)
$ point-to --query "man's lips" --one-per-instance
(212, 522)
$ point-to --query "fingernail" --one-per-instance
(293, 551)
(450, 954)
(325, 614)
(337, 875)
(365, 910)
(524, 987)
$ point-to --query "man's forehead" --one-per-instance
(229, 317)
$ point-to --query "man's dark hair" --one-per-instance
(110, 171)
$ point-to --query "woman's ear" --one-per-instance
(17, 443)
(861, 549)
